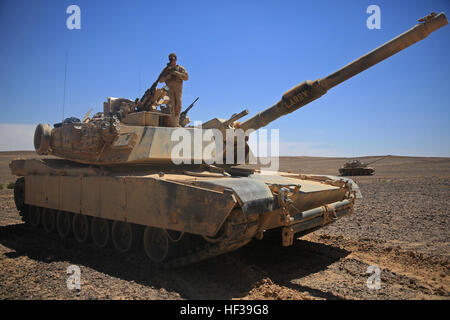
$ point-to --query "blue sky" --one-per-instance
(239, 54)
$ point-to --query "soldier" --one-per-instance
(174, 75)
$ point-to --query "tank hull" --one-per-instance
(215, 213)
(356, 171)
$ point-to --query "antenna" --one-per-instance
(64, 93)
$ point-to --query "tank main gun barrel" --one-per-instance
(309, 91)
(379, 159)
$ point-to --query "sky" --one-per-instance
(239, 55)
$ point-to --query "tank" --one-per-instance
(113, 179)
(358, 168)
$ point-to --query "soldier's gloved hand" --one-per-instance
(177, 74)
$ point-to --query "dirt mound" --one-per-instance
(267, 290)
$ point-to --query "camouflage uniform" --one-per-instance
(174, 76)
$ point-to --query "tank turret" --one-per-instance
(124, 134)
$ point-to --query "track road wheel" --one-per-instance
(64, 224)
(80, 228)
(124, 236)
(100, 232)
(49, 220)
(19, 194)
(157, 245)
(26, 214)
(34, 216)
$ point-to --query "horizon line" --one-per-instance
(290, 156)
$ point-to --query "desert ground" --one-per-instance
(400, 226)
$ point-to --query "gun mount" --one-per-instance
(124, 136)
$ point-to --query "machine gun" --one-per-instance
(184, 120)
(142, 104)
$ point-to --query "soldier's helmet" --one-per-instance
(172, 56)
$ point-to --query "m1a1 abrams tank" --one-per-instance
(116, 181)
(358, 168)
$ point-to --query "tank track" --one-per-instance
(356, 172)
(240, 230)
(19, 198)
(237, 231)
